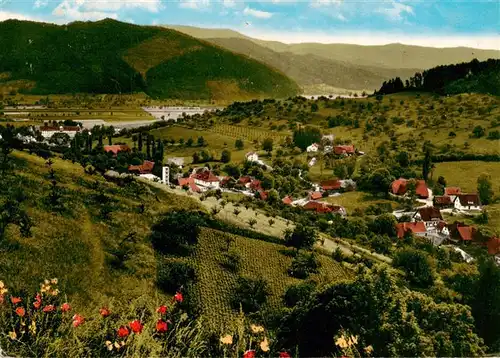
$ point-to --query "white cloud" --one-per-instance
(115, 5)
(395, 10)
(40, 3)
(229, 3)
(73, 10)
(257, 13)
(319, 3)
(7, 15)
(194, 4)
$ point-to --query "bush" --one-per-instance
(299, 292)
(174, 274)
(416, 264)
(232, 261)
(303, 265)
(250, 294)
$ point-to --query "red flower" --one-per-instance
(1, 299)
(38, 301)
(77, 320)
(104, 312)
(123, 332)
(15, 300)
(161, 326)
(49, 308)
(285, 355)
(162, 309)
(65, 307)
(178, 297)
(249, 354)
(136, 326)
(20, 311)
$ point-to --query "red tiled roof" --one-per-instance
(430, 213)
(189, 182)
(399, 186)
(414, 227)
(263, 194)
(321, 207)
(145, 168)
(205, 176)
(341, 149)
(333, 184)
(287, 200)
(442, 200)
(452, 190)
(315, 195)
(255, 185)
(421, 189)
(244, 180)
(115, 149)
(493, 245)
(466, 232)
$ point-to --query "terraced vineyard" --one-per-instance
(246, 133)
(215, 283)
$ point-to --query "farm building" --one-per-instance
(344, 150)
(416, 228)
(467, 202)
(430, 215)
(400, 187)
(321, 207)
(461, 232)
(443, 202)
(331, 185)
(145, 168)
(204, 177)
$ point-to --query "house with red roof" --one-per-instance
(315, 195)
(262, 194)
(430, 215)
(416, 228)
(461, 232)
(442, 201)
(452, 191)
(189, 182)
(255, 185)
(145, 168)
(245, 180)
(287, 200)
(322, 207)
(344, 150)
(400, 187)
(331, 185)
(117, 148)
(205, 178)
(493, 245)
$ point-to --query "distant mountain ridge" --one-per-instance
(109, 56)
(339, 65)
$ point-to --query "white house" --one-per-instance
(205, 179)
(48, 131)
(313, 148)
(467, 202)
(252, 157)
(312, 162)
(430, 215)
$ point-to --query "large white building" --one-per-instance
(48, 131)
(313, 148)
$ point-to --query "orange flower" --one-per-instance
(65, 307)
(136, 326)
(249, 354)
(20, 311)
(123, 332)
(49, 308)
(104, 312)
(38, 301)
(161, 326)
(178, 297)
(285, 355)
(15, 300)
(77, 320)
(162, 309)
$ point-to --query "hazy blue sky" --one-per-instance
(440, 23)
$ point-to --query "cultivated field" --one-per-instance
(357, 200)
(464, 174)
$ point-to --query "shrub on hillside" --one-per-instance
(249, 294)
(303, 265)
(173, 274)
(299, 292)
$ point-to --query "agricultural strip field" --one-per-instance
(77, 114)
(247, 133)
(216, 283)
(357, 200)
(464, 174)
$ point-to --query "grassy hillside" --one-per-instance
(309, 69)
(113, 57)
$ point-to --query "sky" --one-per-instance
(436, 23)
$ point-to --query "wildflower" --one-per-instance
(249, 354)
(162, 309)
(178, 297)
(369, 349)
(46, 282)
(123, 332)
(284, 355)
(15, 300)
(227, 339)
(161, 326)
(1, 299)
(104, 312)
(20, 311)
(65, 307)
(119, 345)
(55, 292)
(49, 308)
(136, 326)
(264, 345)
(77, 320)
(109, 345)
(53, 281)
(3, 289)
(256, 329)
(33, 327)
(12, 335)
(38, 301)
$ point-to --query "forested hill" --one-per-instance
(471, 77)
(109, 56)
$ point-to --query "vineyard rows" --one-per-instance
(245, 133)
(258, 259)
